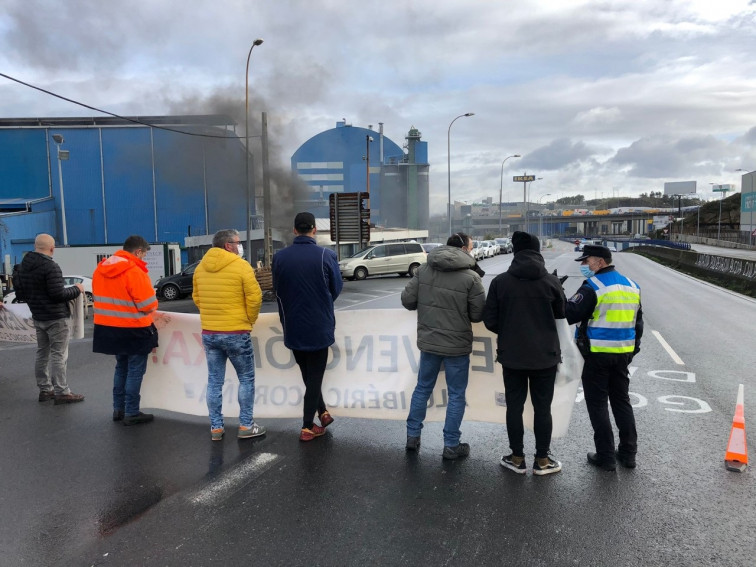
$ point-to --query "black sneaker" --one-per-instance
(138, 418)
(546, 465)
(626, 460)
(514, 463)
(118, 415)
(413, 443)
(597, 461)
(458, 452)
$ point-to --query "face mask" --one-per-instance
(587, 272)
(240, 250)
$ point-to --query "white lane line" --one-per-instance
(228, 483)
(668, 348)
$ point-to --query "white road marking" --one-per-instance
(229, 482)
(668, 348)
(368, 300)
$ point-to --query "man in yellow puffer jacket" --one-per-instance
(229, 299)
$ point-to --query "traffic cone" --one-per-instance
(736, 457)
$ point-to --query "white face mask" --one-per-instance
(240, 250)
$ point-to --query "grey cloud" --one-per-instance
(558, 154)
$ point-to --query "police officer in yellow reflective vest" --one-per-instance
(608, 307)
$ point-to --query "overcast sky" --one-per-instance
(610, 97)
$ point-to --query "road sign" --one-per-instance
(523, 178)
(350, 217)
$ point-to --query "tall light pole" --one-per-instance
(501, 186)
(526, 195)
(540, 216)
(246, 150)
(751, 230)
(62, 155)
(448, 166)
(720, 189)
(368, 139)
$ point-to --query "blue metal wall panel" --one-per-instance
(225, 181)
(127, 162)
(180, 188)
(23, 164)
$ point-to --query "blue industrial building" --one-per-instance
(181, 176)
(334, 161)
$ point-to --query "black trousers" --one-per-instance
(541, 384)
(312, 364)
(605, 377)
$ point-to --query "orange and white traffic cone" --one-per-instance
(736, 457)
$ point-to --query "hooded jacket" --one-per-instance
(521, 309)
(226, 292)
(124, 301)
(307, 280)
(42, 288)
(448, 296)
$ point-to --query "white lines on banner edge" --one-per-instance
(668, 348)
(229, 482)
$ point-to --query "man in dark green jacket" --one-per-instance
(448, 296)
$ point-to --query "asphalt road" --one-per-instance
(78, 489)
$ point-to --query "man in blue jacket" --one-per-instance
(307, 280)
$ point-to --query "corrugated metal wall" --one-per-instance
(120, 181)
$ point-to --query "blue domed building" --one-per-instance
(349, 159)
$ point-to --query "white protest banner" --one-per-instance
(371, 372)
(16, 324)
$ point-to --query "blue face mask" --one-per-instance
(586, 271)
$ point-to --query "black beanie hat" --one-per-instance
(524, 241)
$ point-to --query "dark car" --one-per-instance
(177, 285)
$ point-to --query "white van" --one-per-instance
(403, 258)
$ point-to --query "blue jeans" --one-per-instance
(220, 347)
(127, 382)
(457, 371)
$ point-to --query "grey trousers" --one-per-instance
(52, 355)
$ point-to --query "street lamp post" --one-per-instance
(751, 230)
(526, 195)
(448, 166)
(62, 155)
(720, 189)
(501, 186)
(368, 139)
(540, 216)
(246, 150)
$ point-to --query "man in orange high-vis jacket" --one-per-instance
(124, 301)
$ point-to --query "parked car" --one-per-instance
(495, 249)
(178, 285)
(67, 281)
(477, 250)
(486, 249)
(505, 245)
(403, 258)
(428, 246)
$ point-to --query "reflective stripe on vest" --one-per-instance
(612, 327)
(121, 312)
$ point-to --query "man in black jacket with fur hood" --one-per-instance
(521, 308)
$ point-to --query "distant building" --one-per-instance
(334, 161)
